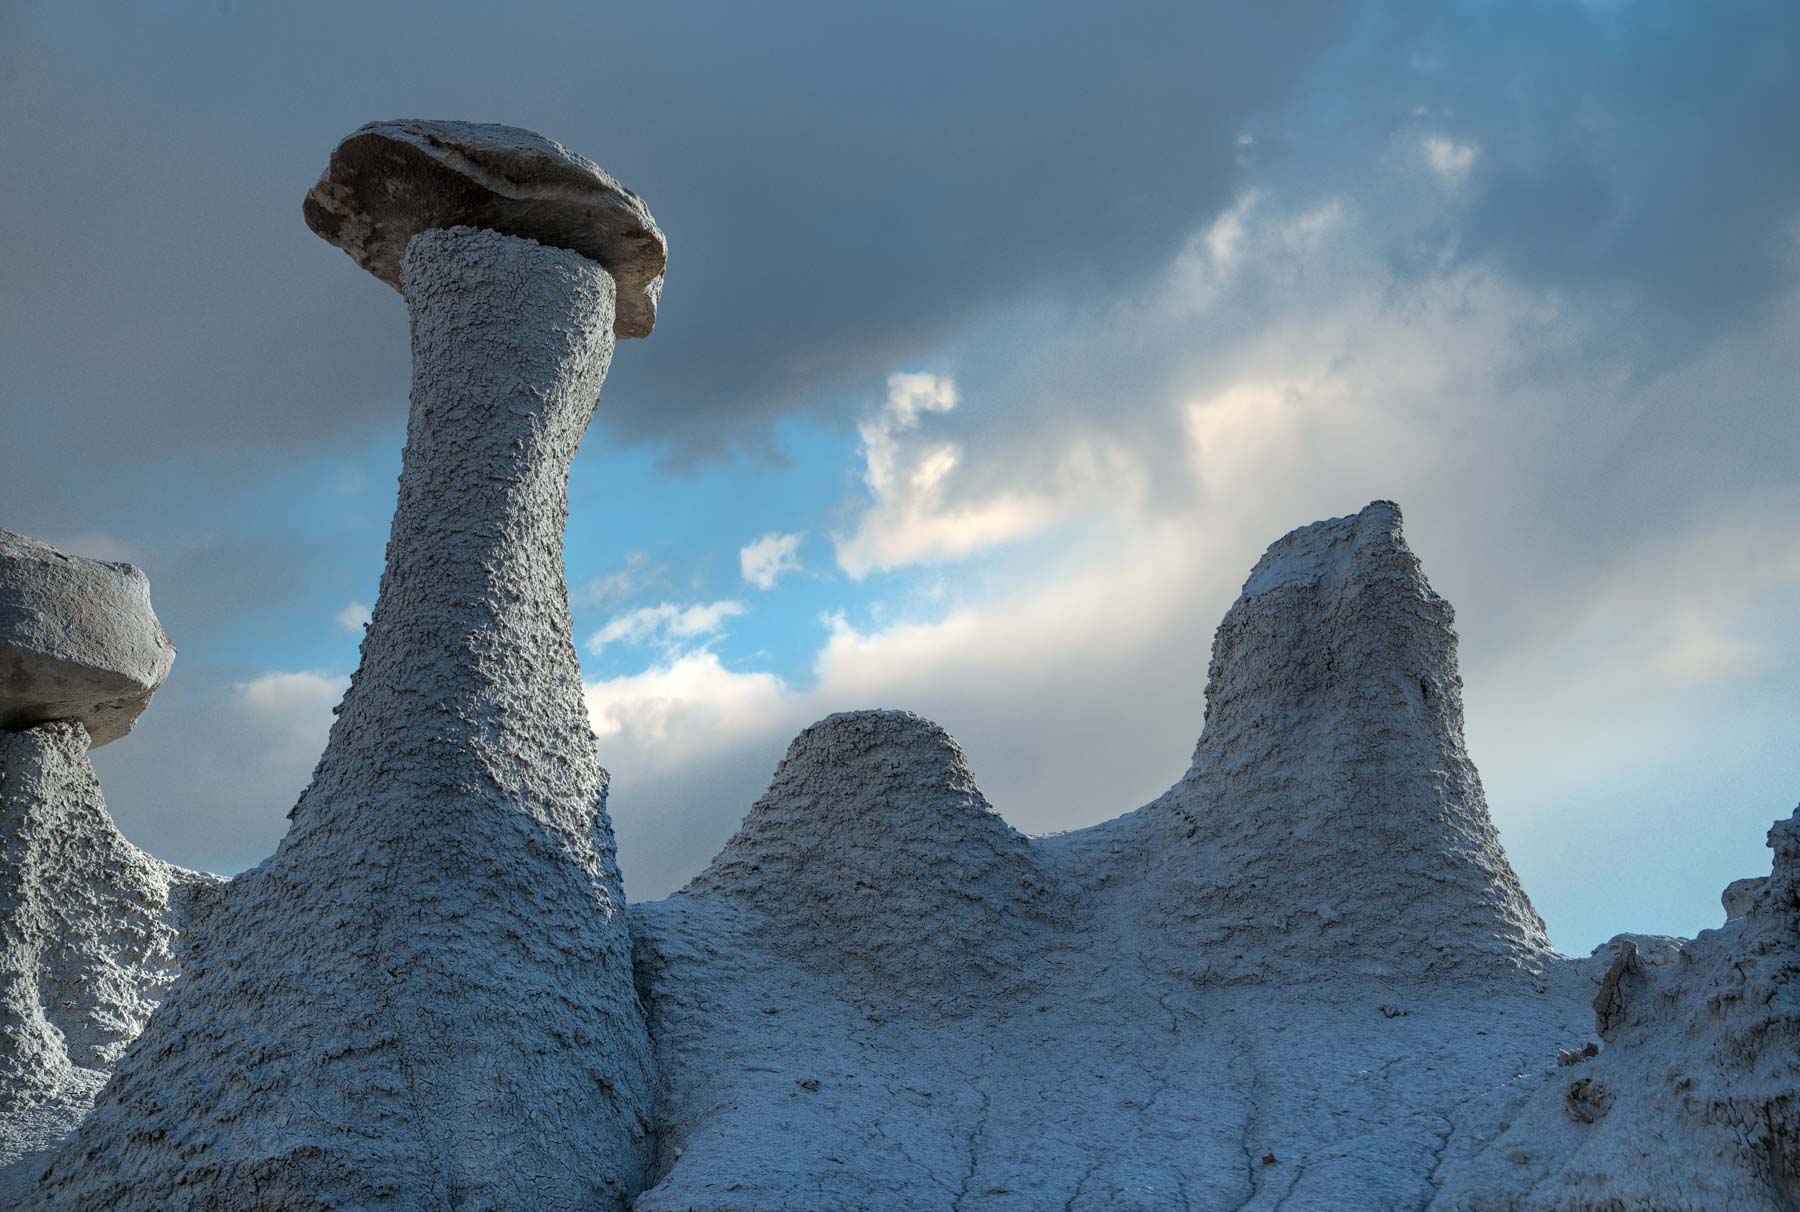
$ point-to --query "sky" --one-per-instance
(998, 341)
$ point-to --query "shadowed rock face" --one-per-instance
(874, 855)
(78, 640)
(424, 999)
(1332, 813)
(89, 932)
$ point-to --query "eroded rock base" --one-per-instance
(90, 941)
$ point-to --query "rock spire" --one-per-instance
(1331, 811)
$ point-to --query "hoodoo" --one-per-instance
(90, 926)
(1305, 978)
(424, 997)
(1332, 819)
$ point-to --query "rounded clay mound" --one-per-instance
(874, 849)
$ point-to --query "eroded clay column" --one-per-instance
(424, 999)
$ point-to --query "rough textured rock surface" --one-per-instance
(1332, 814)
(424, 999)
(391, 180)
(1304, 979)
(875, 857)
(89, 940)
(78, 640)
(1695, 1100)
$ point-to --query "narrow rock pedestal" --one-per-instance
(424, 998)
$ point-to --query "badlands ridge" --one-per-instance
(1304, 978)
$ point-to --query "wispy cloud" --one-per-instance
(666, 624)
(669, 704)
(769, 558)
(639, 574)
(1449, 159)
(913, 516)
(353, 617)
(292, 713)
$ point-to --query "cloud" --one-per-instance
(243, 750)
(1572, 369)
(1448, 158)
(1316, 375)
(665, 624)
(640, 573)
(913, 517)
(669, 705)
(770, 557)
(293, 710)
(353, 617)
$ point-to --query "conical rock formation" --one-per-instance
(89, 939)
(1332, 820)
(874, 854)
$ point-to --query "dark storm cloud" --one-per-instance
(1637, 153)
(846, 191)
(841, 188)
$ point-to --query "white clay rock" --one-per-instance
(1332, 816)
(424, 998)
(90, 939)
(1305, 978)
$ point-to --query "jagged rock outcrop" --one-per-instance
(1332, 815)
(875, 856)
(1695, 1100)
(423, 999)
(78, 640)
(90, 932)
